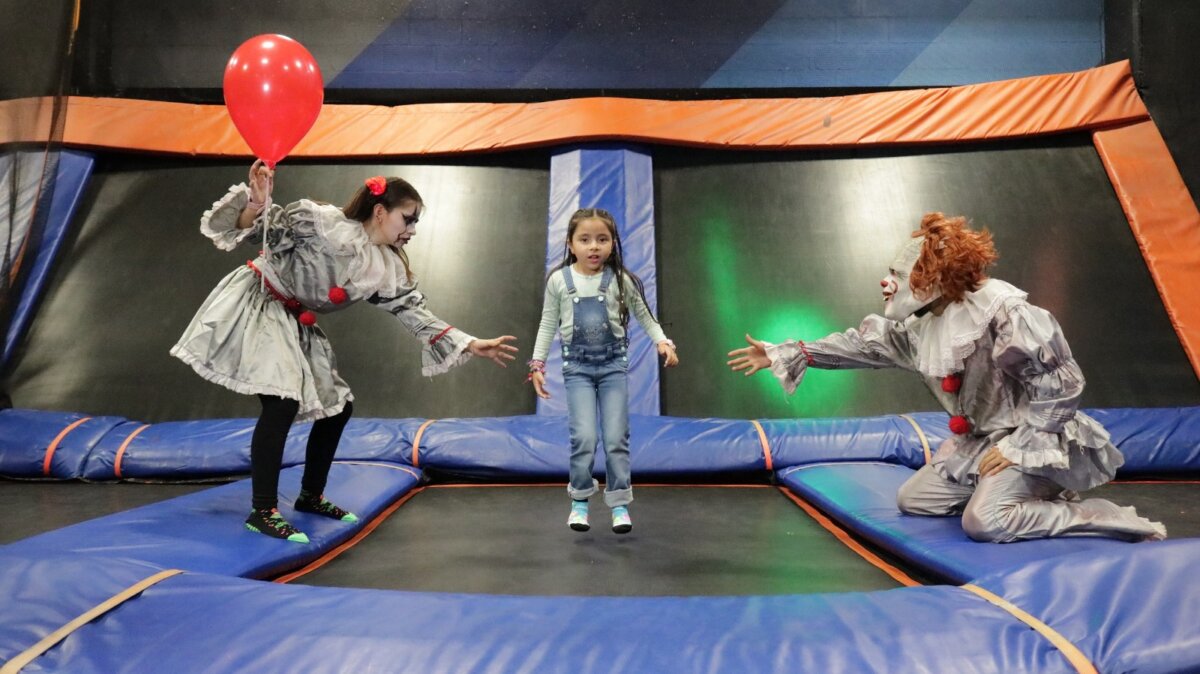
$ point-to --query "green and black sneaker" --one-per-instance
(271, 523)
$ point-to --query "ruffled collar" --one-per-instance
(373, 268)
(943, 343)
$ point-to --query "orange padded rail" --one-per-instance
(1163, 218)
(1029, 106)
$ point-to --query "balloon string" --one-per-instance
(264, 216)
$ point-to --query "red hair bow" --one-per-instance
(377, 185)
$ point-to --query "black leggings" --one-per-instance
(266, 449)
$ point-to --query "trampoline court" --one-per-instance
(766, 535)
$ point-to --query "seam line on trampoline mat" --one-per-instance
(1072, 653)
(380, 464)
(841, 535)
(28, 655)
(354, 540)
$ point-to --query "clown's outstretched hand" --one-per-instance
(750, 359)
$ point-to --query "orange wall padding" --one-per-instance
(1103, 100)
(1163, 218)
(1029, 106)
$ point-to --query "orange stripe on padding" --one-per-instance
(27, 656)
(766, 446)
(121, 450)
(1073, 655)
(56, 442)
(920, 434)
(329, 556)
(841, 535)
(417, 442)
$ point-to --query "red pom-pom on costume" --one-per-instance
(959, 425)
(951, 383)
(293, 305)
(337, 295)
(307, 318)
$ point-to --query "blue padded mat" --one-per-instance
(1131, 608)
(862, 498)
(205, 623)
(203, 531)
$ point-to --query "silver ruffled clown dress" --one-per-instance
(1019, 390)
(248, 336)
(1020, 386)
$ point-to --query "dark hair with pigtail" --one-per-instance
(954, 258)
(396, 193)
(616, 260)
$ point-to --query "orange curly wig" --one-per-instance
(954, 258)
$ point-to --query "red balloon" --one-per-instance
(274, 92)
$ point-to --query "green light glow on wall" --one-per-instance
(740, 306)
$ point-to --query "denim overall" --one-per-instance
(595, 365)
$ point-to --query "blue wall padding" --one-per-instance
(25, 435)
(619, 179)
(203, 531)
(175, 450)
(862, 498)
(197, 622)
(1154, 440)
(527, 446)
(1128, 609)
(73, 174)
(214, 447)
(537, 446)
(888, 438)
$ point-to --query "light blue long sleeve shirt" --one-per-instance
(558, 311)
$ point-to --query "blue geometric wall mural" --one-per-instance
(692, 44)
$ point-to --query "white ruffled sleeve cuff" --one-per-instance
(219, 223)
(1030, 448)
(789, 362)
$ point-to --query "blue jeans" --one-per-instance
(589, 384)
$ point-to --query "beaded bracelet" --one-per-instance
(535, 366)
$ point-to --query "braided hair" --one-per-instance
(616, 261)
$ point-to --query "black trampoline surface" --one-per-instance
(32, 508)
(1174, 503)
(686, 540)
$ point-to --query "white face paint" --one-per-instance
(899, 300)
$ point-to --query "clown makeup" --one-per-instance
(899, 300)
(394, 227)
